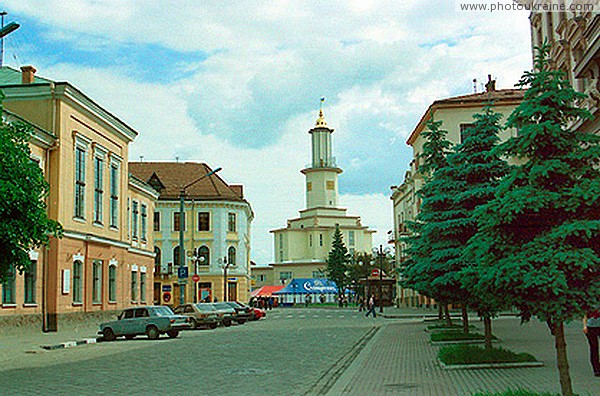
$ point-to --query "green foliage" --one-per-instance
(337, 261)
(517, 392)
(471, 354)
(454, 335)
(25, 224)
(539, 239)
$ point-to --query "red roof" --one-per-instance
(266, 291)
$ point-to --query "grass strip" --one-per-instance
(457, 336)
(471, 354)
(517, 392)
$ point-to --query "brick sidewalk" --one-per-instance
(399, 360)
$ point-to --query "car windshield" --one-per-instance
(205, 307)
(223, 305)
(162, 311)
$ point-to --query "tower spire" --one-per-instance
(321, 120)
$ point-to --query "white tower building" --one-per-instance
(301, 248)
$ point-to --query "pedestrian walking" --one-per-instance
(591, 329)
(270, 302)
(307, 300)
(361, 304)
(371, 307)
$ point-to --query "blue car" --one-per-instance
(151, 321)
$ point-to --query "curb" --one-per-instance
(69, 344)
(488, 365)
(460, 342)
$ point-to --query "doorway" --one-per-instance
(231, 291)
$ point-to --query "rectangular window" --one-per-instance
(134, 220)
(77, 282)
(351, 238)
(97, 282)
(286, 275)
(142, 286)
(112, 283)
(134, 286)
(203, 221)
(29, 286)
(231, 223)
(8, 287)
(330, 185)
(98, 189)
(464, 131)
(114, 195)
(310, 240)
(156, 221)
(80, 182)
(177, 222)
(320, 239)
(144, 222)
(262, 278)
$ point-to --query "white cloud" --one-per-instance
(247, 105)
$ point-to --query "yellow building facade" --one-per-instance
(105, 260)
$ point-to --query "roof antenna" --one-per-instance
(141, 158)
(177, 159)
(474, 85)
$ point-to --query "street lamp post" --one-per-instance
(381, 253)
(225, 268)
(181, 225)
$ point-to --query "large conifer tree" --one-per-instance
(338, 262)
(423, 269)
(539, 239)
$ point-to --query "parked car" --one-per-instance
(259, 313)
(236, 316)
(200, 315)
(225, 315)
(152, 321)
(244, 312)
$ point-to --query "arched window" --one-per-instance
(231, 256)
(203, 256)
(157, 258)
(176, 257)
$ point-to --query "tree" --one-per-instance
(477, 168)
(25, 224)
(538, 243)
(427, 249)
(338, 262)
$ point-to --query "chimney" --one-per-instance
(27, 74)
(491, 84)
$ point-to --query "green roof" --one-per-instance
(10, 76)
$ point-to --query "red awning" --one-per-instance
(266, 291)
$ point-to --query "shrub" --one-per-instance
(456, 336)
(470, 354)
(518, 392)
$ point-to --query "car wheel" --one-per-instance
(173, 333)
(241, 322)
(213, 326)
(227, 323)
(152, 333)
(109, 334)
(130, 336)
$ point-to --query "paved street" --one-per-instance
(293, 351)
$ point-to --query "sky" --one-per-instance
(238, 84)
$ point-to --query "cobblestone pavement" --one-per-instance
(292, 352)
(283, 354)
(400, 361)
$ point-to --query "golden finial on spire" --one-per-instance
(321, 120)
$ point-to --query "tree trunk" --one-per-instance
(447, 313)
(558, 331)
(465, 319)
(487, 325)
(440, 311)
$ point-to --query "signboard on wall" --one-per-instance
(66, 281)
(166, 288)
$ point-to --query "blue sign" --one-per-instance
(182, 272)
(166, 288)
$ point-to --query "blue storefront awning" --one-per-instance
(309, 286)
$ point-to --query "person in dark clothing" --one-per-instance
(371, 307)
(591, 329)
